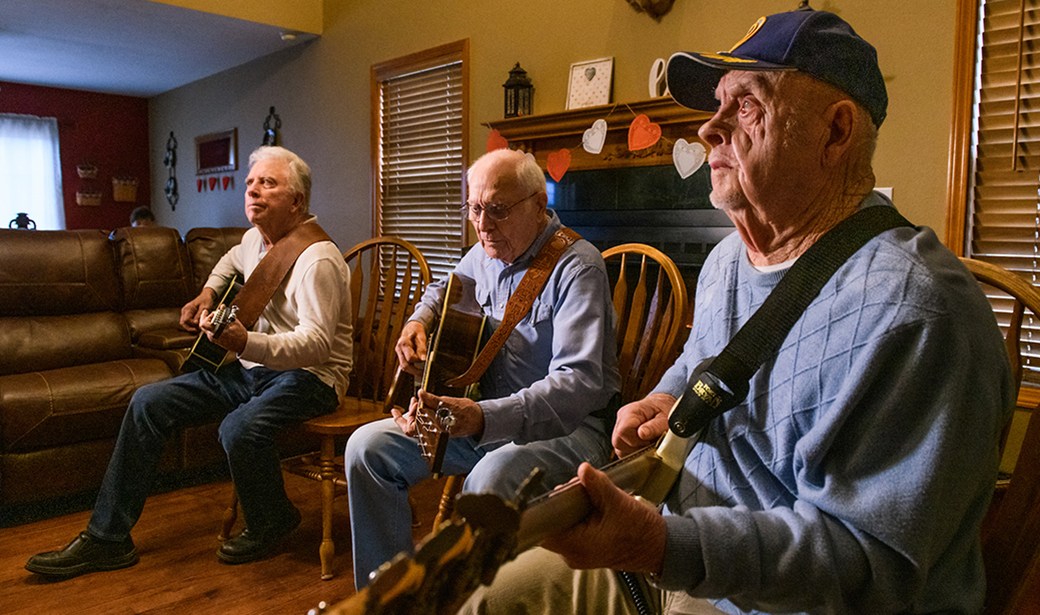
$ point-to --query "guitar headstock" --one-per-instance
(448, 565)
(433, 430)
(222, 317)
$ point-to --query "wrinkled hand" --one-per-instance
(469, 418)
(620, 533)
(640, 423)
(406, 421)
(191, 313)
(411, 347)
(232, 338)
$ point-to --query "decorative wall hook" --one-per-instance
(653, 8)
(271, 126)
(170, 161)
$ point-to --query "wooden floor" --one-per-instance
(179, 571)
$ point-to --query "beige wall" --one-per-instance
(321, 89)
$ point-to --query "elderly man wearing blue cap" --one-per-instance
(854, 474)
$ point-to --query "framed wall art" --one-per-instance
(216, 152)
(590, 83)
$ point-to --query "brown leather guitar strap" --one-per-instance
(520, 302)
(254, 295)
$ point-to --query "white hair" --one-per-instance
(526, 172)
(299, 171)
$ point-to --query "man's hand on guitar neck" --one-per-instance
(191, 313)
(232, 337)
(469, 418)
(411, 347)
(619, 533)
(640, 423)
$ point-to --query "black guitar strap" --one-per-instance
(721, 383)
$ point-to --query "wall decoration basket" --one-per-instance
(88, 199)
(124, 189)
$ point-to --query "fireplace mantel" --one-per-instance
(620, 196)
(542, 134)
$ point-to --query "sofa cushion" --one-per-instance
(36, 343)
(73, 404)
(162, 321)
(153, 267)
(205, 247)
(57, 272)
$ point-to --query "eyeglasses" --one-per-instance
(495, 211)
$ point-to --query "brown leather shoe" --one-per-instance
(251, 544)
(84, 554)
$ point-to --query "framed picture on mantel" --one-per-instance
(590, 83)
(216, 152)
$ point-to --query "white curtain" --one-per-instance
(30, 171)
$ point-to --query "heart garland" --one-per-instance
(558, 163)
(688, 157)
(595, 137)
(495, 141)
(642, 134)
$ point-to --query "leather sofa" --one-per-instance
(86, 318)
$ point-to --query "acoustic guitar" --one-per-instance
(208, 355)
(450, 351)
(486, 532)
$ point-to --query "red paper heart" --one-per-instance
(212, 183)
(202, 184)
(558, 164)
(496, 141)
(226, 181)
(643, 133)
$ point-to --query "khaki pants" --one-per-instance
(539, 582)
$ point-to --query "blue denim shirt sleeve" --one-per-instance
(559, 364)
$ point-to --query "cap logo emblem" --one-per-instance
(719, 56)
(751, 32)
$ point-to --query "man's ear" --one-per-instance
(841, 120)
(543, 201)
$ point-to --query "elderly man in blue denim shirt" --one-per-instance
(542, 393)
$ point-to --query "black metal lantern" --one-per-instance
(518, 92)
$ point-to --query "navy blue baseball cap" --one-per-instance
(817, 43)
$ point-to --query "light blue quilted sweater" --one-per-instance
(854, 477)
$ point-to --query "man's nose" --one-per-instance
(483, 221)
(714, 131)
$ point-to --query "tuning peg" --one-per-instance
(531, 486)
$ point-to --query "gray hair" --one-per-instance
(526, 172)
(299, 171)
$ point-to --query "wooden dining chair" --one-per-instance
(651, 303)
(650, 300)
(388, 277)
(1011, 531)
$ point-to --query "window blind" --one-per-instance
(421, 162)
(1004, 222)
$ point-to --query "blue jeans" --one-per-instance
(382, 463)
(255, 405)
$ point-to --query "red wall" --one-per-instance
(108, 131)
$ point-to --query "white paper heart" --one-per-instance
(688, 157)
(594, 137)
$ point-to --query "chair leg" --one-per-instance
(414, 507)
(327, 550)
(230, 516)
(452, 487)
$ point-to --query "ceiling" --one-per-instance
(129, 47)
